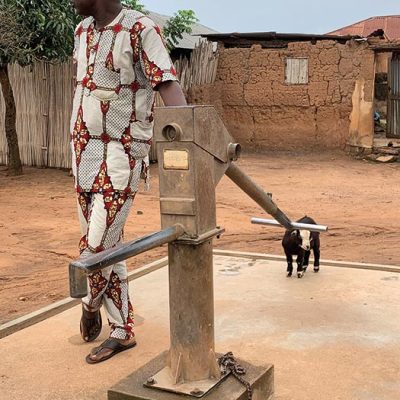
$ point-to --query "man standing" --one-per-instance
(121, 61)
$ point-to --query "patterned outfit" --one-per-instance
(118, 69)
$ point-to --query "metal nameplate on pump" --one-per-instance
(176, 159)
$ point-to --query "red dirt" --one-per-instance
(39, 229)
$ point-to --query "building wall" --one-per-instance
(260, 110)
(382, 62)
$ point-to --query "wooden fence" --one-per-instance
(200, 69)
(43, 95)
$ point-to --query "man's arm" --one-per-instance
(172, 94)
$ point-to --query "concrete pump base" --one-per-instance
(261, 380)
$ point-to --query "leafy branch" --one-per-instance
(177, 25)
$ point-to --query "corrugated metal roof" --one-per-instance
(390, 25)
(275, 36)
(188, 41)
(269, 40)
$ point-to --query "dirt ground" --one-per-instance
(360, 201)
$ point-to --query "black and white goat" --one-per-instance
(300, 243)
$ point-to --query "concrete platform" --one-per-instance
(333, 335)
(261, 380)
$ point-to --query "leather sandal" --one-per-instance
(112, 344)
(90, 325)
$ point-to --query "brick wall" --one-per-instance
(260, 110)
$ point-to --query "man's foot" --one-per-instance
(108, 349)
(90, 325)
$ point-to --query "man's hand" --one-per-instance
(172, 94)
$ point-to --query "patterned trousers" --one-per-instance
(102, 218)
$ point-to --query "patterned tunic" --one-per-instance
(118, 69)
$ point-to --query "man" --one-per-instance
(121, 60)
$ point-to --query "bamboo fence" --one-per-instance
(43, 95)
(201, 69)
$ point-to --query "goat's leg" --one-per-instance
(300, 261)
(289, 260)
(306, 260)
(316, 259)
(316, 251)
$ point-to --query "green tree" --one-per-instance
(32, 30)
(176, 26)
(135, 5)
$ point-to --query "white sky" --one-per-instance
(289, 16)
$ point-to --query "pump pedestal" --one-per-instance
(261, 380)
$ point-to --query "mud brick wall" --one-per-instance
(261, 110)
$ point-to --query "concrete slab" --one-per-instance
(332, 335)
(261, 380)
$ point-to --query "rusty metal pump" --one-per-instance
(194, 152)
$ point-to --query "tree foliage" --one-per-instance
(12, 37)
(177, 25)
(135, 5)
(42, 30)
